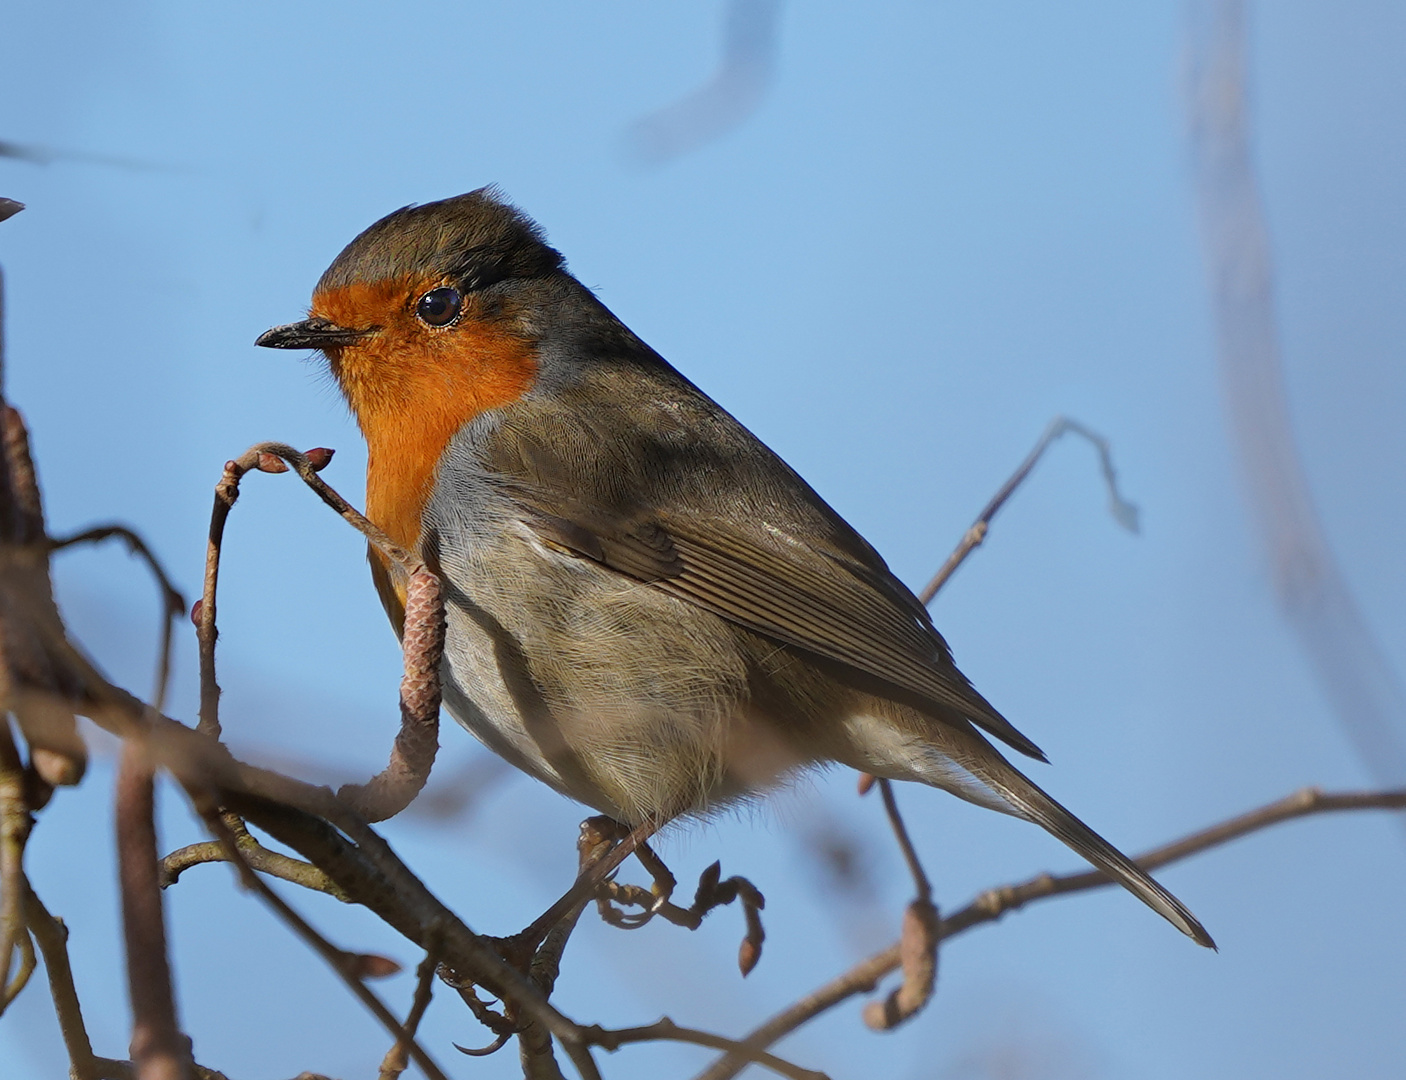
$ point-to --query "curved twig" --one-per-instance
(992, 904)
(173, 602)
(1123, 511)
(417, 742)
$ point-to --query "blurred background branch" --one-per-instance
(1356, 676)
(749, 48)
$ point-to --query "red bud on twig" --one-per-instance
(319, 457)
(748, 953)
(371, 966)
(271, 463)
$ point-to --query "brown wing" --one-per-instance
(787, 591)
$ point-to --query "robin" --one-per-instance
(648, 610)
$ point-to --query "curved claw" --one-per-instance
(483, 1051)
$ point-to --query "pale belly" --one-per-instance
(613, 693)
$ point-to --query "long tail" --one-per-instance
(1030, 802)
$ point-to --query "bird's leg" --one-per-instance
(618, 841)
(540, 959)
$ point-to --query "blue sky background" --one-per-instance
(944, 225)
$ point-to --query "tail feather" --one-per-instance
(1030, 802)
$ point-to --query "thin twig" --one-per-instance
(921, 883)
(14, 831)
(398, 1056)
(226, 492)
(417, 742)
(413, 754)
(992, 904)
(339, 960)
(919, 940)
(173, 603)
(583, 888)
(1123, 511)
(667, 1031)
(159, 1050)
(260, 858)
(312, 821)
(51, 936)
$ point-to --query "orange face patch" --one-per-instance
(412, 387)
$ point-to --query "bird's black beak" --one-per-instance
(309, 334)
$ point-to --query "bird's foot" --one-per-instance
(713, 892)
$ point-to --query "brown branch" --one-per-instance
(918, 941)
(159, 1050)
(51, 936)
(666, 1030)
(313, 822)
(992, 904)
(260, 858)
(588, 880)
(203, 614)
(57, 754)
(921, 883)
(417, 743)
(397, 1058)
(14, 831)
(363, 865)
(1123, 511)
(173, 603)
(413, 754)
(344, 963)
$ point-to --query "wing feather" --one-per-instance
(790, 592)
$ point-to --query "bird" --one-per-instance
(646, 608)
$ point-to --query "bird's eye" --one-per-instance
(439, 307)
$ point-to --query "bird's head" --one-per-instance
(427, 320)
(426, 295)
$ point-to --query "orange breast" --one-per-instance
(412, 388)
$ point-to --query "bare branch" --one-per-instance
(159, 1050)
(413, 755)
(52, 938)
(596, 840)
(900, 831)
(994, 903)
(919, 940)
(259, 858)
(417, 743)
(14, 831)
(1123, 511)
(666, 1030)
(173, 603)
(345, 964)
(28, 962)
(398, 1056)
